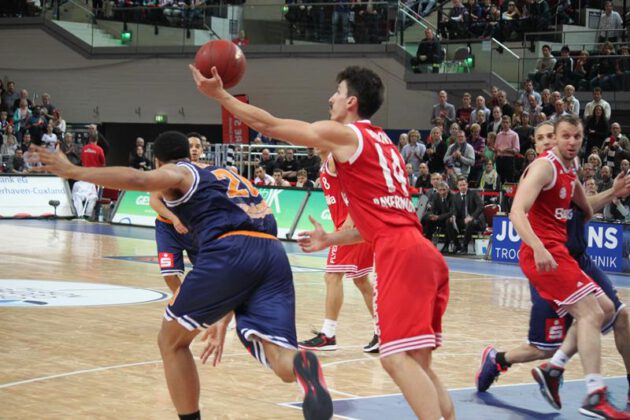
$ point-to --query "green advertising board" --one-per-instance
(134, 209)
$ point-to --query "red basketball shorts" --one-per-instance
(411, 291)
(565, 285)
(353, 260)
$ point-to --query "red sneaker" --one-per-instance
(319, 342)
(597, 405)
(308, 372)
(550, 380)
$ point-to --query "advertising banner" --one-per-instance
(234, 130)
(607, 244)
(133, 209)
(284, 204)
(29, 195)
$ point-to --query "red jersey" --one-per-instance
(335, 198)
(549, 214)
(375, 183)
(92, 156)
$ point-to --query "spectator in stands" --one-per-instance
(426, 7)
(525, 134)
(280, 156)
(49, 139)
(493, 23)
(582, 70)
(450, 177)
(452, 137)
(482, 123)
(490, 149)
(563, 70)
(70, 148)
(510, 21)
(140, 161)
(596, 129)
(311, 163)
(506, 108)
(436, 180)
(528, 89)
(620, 80)
(519, 108)
(457, 21)
(546, 105)
(278, 180)
(480, 107)
(535, 109)
(424, 177)
(429, 54)
(436, 149)
(8, 98)
(37, 125)
(102, 141)
(47, 106)
(92, 154)
(468, 209)
(266, 161)
(30, 158)
(4, 121)
(59, 124)
(477, 17)
(289, 166)
(84, 198)
(23, 95)
(443, 109)
(439, 215)
(625, 166)
(9, 131)
(616, 148)
(463, 113)
(539, 16)
(26, 142)
(596, 161)
(610, 24)
(605, 179)
(590, 187)
(597, 100)
(618, 210)
(544, 68)
(461, 155)
(528, 158)
(568, 106)
(262, 177)
(411, 177)
(558, 112)
(507, 146)
(489, 180)
(478, 144)
(21, 117)
(413, 152)
(18, 164)
(586, 172)
(403, 140)
(494, 125)
(9, 146)
(303, 181)
(605, 69)
(569, 90)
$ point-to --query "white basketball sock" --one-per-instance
(329, 328)
(559, 359)
(594, 381)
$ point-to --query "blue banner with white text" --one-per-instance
(608, 244)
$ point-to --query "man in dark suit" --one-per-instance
(440, 214)
(468, 210)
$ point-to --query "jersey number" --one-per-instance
(238, 186)
(396, 170)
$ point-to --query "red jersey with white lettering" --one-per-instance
(549, 214)
(375, 183)
(335, 198)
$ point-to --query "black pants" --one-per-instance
(468, 230)
(505, 168)
(450, 234)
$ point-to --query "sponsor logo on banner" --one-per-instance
(234, 130)
(28, 196)
(604, 242)
(44, 293)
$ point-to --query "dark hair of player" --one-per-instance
(171, 146)
(366, 85)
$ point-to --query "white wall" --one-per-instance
(289, 87)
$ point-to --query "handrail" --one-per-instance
(505, 48)
(82, 7)
(407, 11)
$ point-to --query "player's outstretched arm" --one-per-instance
(621, 189)
(539, 174)
(113, 177)
(318, 239)
(328, 135)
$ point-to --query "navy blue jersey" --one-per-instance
(218, 202)
(576, 232)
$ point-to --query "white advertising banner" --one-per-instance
(29, 196)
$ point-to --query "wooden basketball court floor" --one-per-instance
(102, 361)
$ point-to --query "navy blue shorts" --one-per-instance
(546, 329)
(171, 246)
(247, 274)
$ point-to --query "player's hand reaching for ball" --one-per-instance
(54, 162)
(212, 87)
(313, 240)
(544, 260)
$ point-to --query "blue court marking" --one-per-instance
(506, 402)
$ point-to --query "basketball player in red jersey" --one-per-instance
(409, 303)
(355, 261)
(540, 211)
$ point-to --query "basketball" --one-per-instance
(226, 56)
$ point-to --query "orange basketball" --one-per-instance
(226, 56)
